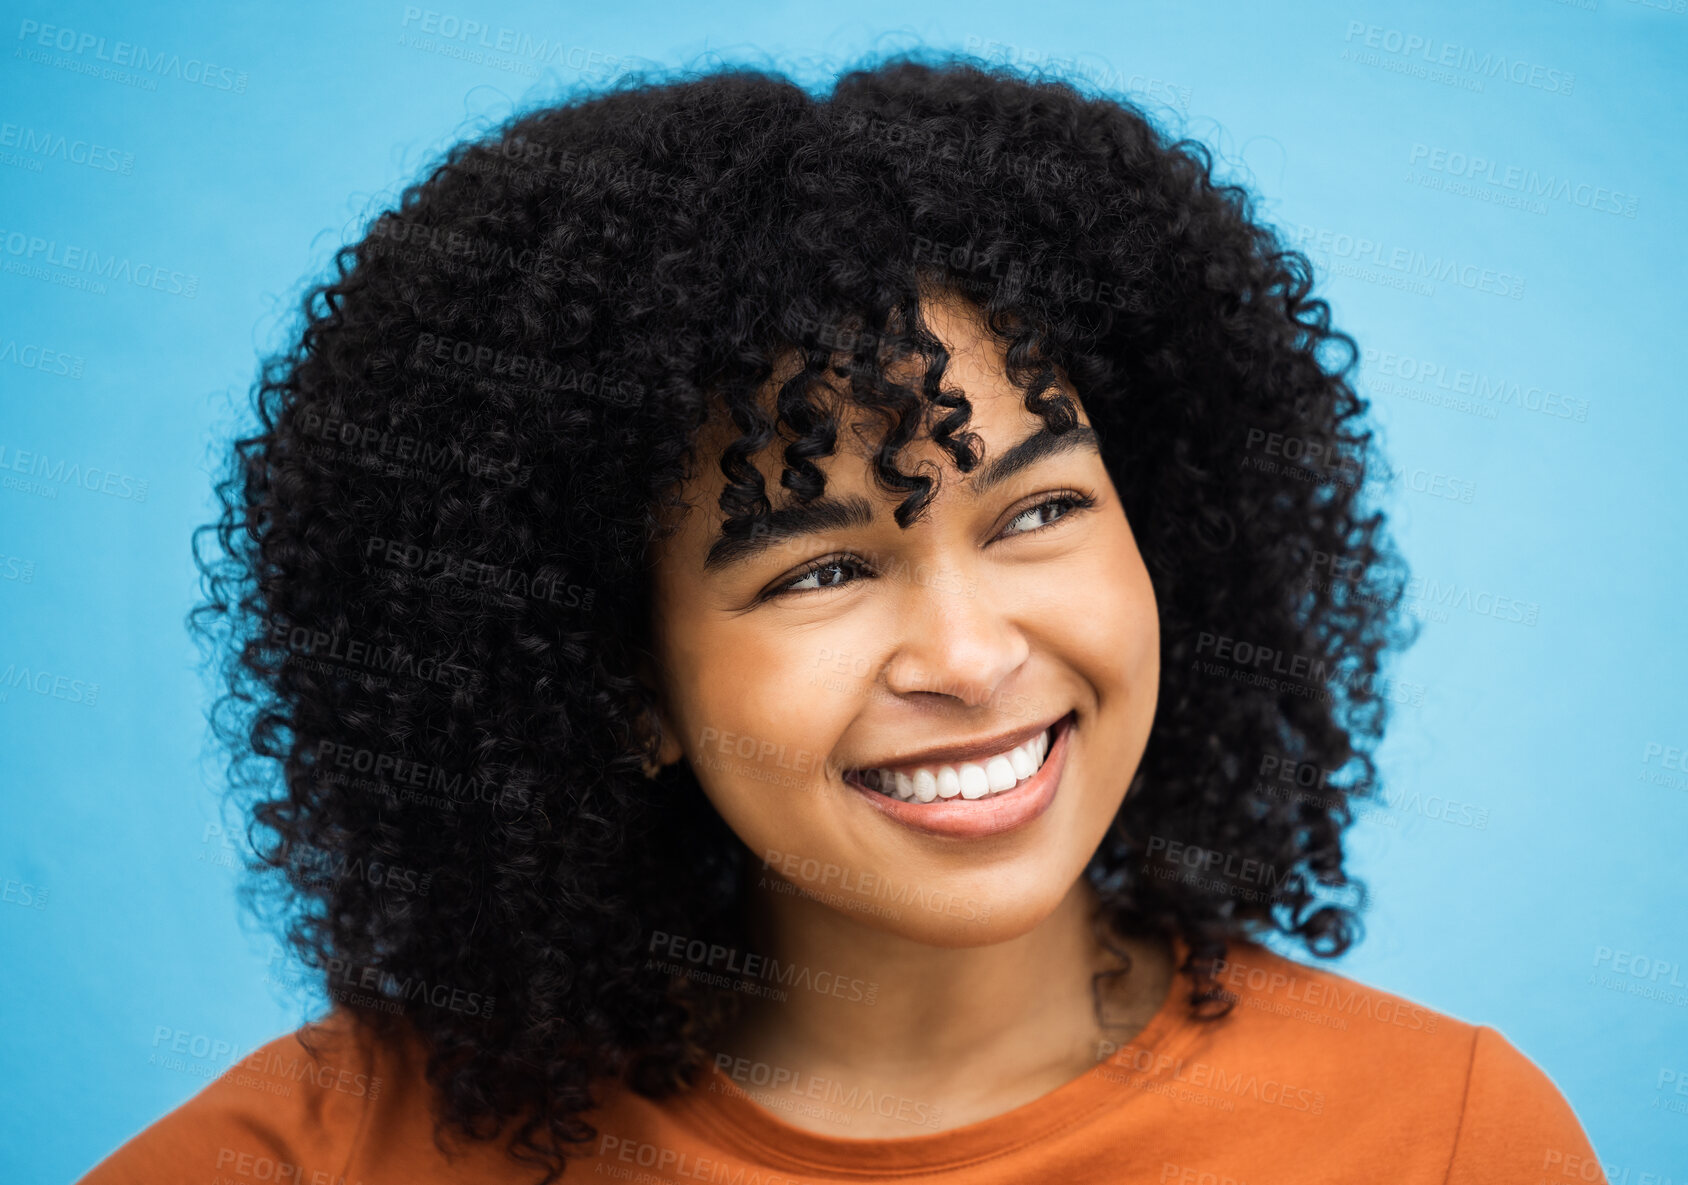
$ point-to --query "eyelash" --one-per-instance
(1072, 501)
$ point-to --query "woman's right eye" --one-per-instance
(814, 578)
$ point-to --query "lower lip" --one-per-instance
(973, 818)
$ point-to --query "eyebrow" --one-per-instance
(855, 511)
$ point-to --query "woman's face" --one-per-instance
(973, 624)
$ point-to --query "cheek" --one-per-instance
(794, 680)
(761, 708)
(1111, 624)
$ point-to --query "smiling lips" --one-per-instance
(988, 776)
(974, 816)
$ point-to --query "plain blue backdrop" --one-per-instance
(1493, 195)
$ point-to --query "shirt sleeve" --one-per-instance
(284, 1113)
(1516, 1126)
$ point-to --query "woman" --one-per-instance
(812, 639)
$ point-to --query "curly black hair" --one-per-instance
(431, 593)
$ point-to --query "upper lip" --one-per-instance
(966, 751)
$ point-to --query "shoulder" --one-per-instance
(1376, 1057)
(1515, 1118)
(336, 1101)
(1331, 1012)
(286, 1111)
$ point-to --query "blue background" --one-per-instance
(117, 918)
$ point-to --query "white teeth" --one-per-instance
(1025, 765)
(968, 779)
(925, 785)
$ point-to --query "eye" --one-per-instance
(1065, 502)
(816, 571)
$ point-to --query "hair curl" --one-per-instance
(433, 547)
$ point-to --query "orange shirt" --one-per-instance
(1311, 1078)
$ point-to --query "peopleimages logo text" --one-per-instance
(77, 258)
(1437, 52)
(132, 56)
(1479, 168)
(1409, 261)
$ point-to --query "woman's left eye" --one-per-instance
(1066, 502)
(824, 568)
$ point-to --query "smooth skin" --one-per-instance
(970, 623)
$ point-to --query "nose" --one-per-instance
(953, 642)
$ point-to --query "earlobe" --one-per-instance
(654, 722)
(668, 744)
(669, 750)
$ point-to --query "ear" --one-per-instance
(668, 744)
(668, 748)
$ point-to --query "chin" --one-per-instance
(966, 915)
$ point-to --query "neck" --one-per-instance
(984, 1027)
